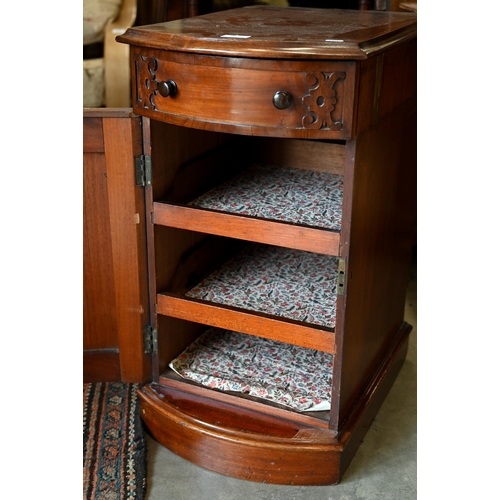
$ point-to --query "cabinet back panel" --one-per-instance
(181, 174)
(320, 156)
(202, 173)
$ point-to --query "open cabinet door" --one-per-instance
(116, 312)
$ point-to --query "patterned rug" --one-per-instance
(114, 447)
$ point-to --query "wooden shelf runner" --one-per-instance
(253, 323)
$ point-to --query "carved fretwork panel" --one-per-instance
(146, 82)
(322, 100)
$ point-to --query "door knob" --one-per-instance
(168, 88)
(282, 99)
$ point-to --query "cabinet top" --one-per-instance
(280, 32)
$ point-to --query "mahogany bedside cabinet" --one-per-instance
(280, 183)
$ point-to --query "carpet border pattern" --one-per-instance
(114, 446)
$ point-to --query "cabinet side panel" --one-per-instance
(385, 82)
(399, 77)
(382, 234)
(172, 150)
(175, 335)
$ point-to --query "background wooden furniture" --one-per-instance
(115, 308)
(408, 6)
(381, 5)
(343, 84)
(106, 78)
(156, 11)
(117, 83)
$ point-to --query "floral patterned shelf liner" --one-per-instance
(296, 377)
(280, 193)
(279, 281)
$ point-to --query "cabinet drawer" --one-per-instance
(248, 96)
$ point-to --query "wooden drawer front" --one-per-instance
(236, 95)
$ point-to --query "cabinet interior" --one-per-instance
(198, 242)
(213, 158)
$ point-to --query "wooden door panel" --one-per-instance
(115, 273)
(99, 303)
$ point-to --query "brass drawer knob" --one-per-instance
(282, 99)
(168, 88)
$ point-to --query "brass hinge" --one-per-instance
(341, 277)
(143, 170)
(150, 340)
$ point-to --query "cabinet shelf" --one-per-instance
(239, 402)
(294, 377)
(282, 294)
(281, 282)
(289, 207)
(293, 195)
